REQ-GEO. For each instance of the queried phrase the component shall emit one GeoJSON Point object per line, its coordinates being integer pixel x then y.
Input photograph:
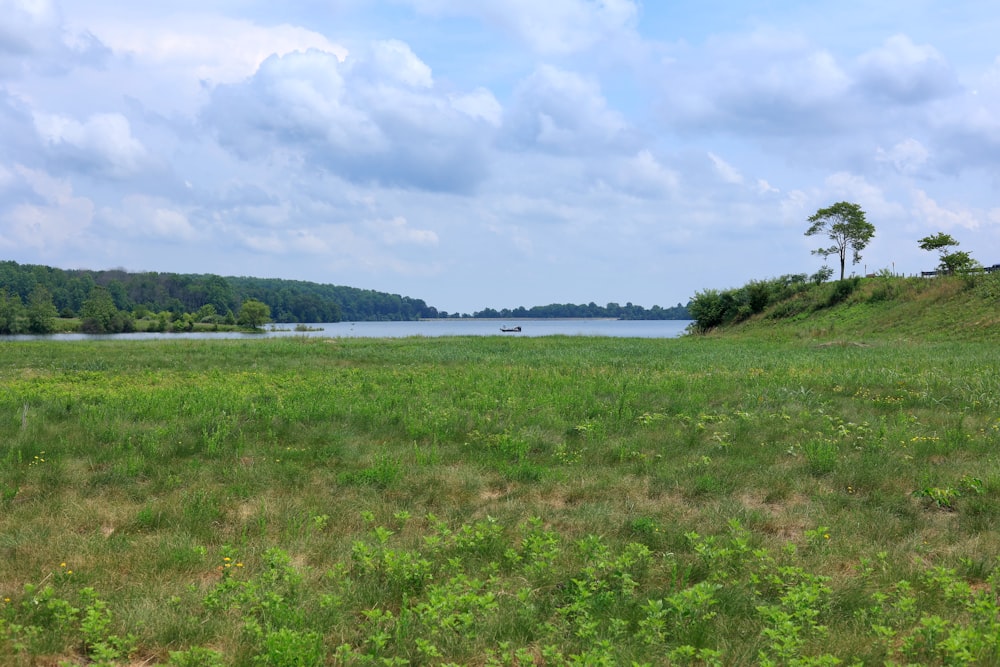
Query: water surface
{"type": "Point", "coordinates": [429, 328]}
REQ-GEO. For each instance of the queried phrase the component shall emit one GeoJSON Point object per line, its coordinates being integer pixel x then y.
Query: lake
{"type": "Point", "coordinates": [429, 328]}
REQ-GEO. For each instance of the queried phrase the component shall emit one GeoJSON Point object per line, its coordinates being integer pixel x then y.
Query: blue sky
{"type": "Point", "coordinates": [495, 153]}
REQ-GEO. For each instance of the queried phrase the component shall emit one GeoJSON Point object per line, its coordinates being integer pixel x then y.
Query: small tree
{"type": "Point", "coordinates": [844, 223]}
{"type": "Point", "coordinates": [254, 314]}
{"type": "Point", "coordinates": [11, 310]}
{"type": "Point", "coordinates": [41, 311]}
{"type": "Point", "coordinates": [955, 261]}
{"type": "Point", "coordinates": [98, 313]}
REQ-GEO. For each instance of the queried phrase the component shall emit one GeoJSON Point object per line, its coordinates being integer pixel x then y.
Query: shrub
{"type": "Point", "coordinates": [841, 290]}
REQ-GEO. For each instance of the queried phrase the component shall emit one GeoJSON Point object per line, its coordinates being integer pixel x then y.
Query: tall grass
{"type": "Point", "coordinates": [499, 501]}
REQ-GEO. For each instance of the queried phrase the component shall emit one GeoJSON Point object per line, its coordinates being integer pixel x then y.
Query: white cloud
{"type": "Point", "coordinates": [103, 143]}
{"type": "Point", "coordinates": [967, 128]}
{"type": "Point", "coordinates": [641, 175]}
{"type": "Point", "coordinates": [553, 27]}
{"type": "Point", "coordinates": [336, 116]}
{"type": "Point", "coordinates": [480, 104]}
{"type": "Point", "coordinates": [562, 112]}
{"type": "Point", "coordinates": [149, 217]}
{"type": "Point", "coordinates": [764, 83]}
{"type": "Point", "coordinates": [726, 171]}
{"type": "Point", "coordinates": [907, 157]}
{"type": "Point", "coordinates": [935, 216]}
{"type": "Point", "coordinates": [291, 242]}
{"type": "Point", "coordinates": [209, 47]}
{"type": "Point", "coordinates": [27, 25]}
{"type": "Point", "coordinates": [55, 218]}
{"type": "Point", "coordinates": [904, 72]}
{"type": "Point", "coordinates": [394, 61]}
{"type": "Point", "coordinates": [34, 39]}
{"type": "Point", "coordinates": [765, 188]}
{"type": "Point", "coordinates": [397, 231]}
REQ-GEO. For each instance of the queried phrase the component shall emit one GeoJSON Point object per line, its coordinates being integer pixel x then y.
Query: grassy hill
{"type": "Point", "coordinates": [883, 307]}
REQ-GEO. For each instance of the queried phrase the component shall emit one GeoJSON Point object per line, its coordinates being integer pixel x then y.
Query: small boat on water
{"type": "Point", "coordinates": [510, 329]}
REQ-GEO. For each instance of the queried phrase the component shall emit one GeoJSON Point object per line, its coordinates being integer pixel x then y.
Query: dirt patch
{"type": "Point", "coordinates": [842, 343]}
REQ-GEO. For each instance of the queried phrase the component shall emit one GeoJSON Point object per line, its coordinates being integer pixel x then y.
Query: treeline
{"type": "Point", "coordinates": [111, 301]}
{"type": "Point", "coordinates": [206, 296]}
{"type": "Point", "coordinates": [627, 312]}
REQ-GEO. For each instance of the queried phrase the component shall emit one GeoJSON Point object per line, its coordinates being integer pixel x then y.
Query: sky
{"type": "Point", "coordinates": [495, 153]}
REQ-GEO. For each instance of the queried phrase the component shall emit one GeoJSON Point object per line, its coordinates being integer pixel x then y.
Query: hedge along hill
{"type": "Point", "coordinates": [853, 310]}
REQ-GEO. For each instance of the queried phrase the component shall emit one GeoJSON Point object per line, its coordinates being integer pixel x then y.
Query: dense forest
{"type": "Point", "coordinates": [112, 300]}
{"type": "Point", "coordinates": [178, 294]}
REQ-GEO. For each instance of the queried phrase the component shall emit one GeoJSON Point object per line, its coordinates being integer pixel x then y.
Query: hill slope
{"type": "Point", "coordinates": [882, 307]}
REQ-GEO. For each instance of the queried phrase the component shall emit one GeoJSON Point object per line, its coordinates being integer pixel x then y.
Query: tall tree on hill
{"type": "Point", "coordinates": [843, 223]}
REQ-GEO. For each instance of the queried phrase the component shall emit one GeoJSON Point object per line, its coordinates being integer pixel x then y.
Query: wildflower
{"type": "Point", "coordinates": [826, 536]}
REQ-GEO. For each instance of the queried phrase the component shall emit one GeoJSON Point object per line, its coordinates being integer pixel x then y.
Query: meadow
{"type": "Point", "coordinates": [500, 501]}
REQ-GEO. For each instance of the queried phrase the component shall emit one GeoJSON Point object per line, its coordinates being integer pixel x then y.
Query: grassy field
{"type": "Point", "coordinates": [500, 501]}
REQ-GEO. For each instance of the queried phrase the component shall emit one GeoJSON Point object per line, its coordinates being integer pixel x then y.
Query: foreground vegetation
{"type": "Point", "coordinates": [494, 501]}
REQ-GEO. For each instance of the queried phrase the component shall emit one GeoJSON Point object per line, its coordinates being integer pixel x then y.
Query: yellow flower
{"type": "Point", "coordinates": [62, 564]}
{"type": "Point", "coordinates": [827, 536]}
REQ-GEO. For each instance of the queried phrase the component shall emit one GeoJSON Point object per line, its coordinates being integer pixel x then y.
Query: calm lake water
{"type": "Point", "coordinates": [430, 328]}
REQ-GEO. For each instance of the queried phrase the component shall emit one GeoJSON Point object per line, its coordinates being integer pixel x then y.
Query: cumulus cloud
{"type": "Point", "coordinates": [557, 111]}
{"type": "Point", "coordinates": [289, 242]}
{"type": "Point", "coordinates": [845, 186]}
{"type": "Point", "coordinates": [204, 47]}
{"type": "Point", "coordinates": [907, 156]}
{"type": "Point", "coordinates": [766, 83]}
{"type": "Point", "coordinates": [640, 175]}
{"type": "Point", "coordinates": [33, 37]}
{"type": "Point", "coordinates": [27, 25]}
{"type": "Point", "coordinates": [103, 144]}
{"type": "Point", "coordinates": [967, 128]}
{"type": "Point", "coordinates": [906, 73]}
{"type": "Point", "coordinates": [553, 27]}
{"type": "Point", "coordinates": [935, 216]}
{"type": "Point", "coordinates": [52, 217]}
{"type": "Point", "coordinates": [151, 218]}
{"type": "Point", "coordinates": [375, 117]}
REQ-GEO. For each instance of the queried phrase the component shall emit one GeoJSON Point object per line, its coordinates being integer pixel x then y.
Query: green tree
{"type": "Point", "coordinates": [100, 315]}
{"type": "Point", "coordinates": [207, 313]}
{"type": "Point", "coordinates": [11, 310]}
{"type": "Point", "coordinates": [843, 223]}
{"type": "Point", "coordinates": [254, 314]}
{"type": "Point", "coordinates": [950, 261]}
{"type": "Point", "coordinates": [41, 311]}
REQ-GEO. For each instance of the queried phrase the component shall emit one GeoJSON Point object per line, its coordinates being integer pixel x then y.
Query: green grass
{"type": "Point", "coordinates": [495, 501]}
{"type": "Point", "coordinates": [886, 307]}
